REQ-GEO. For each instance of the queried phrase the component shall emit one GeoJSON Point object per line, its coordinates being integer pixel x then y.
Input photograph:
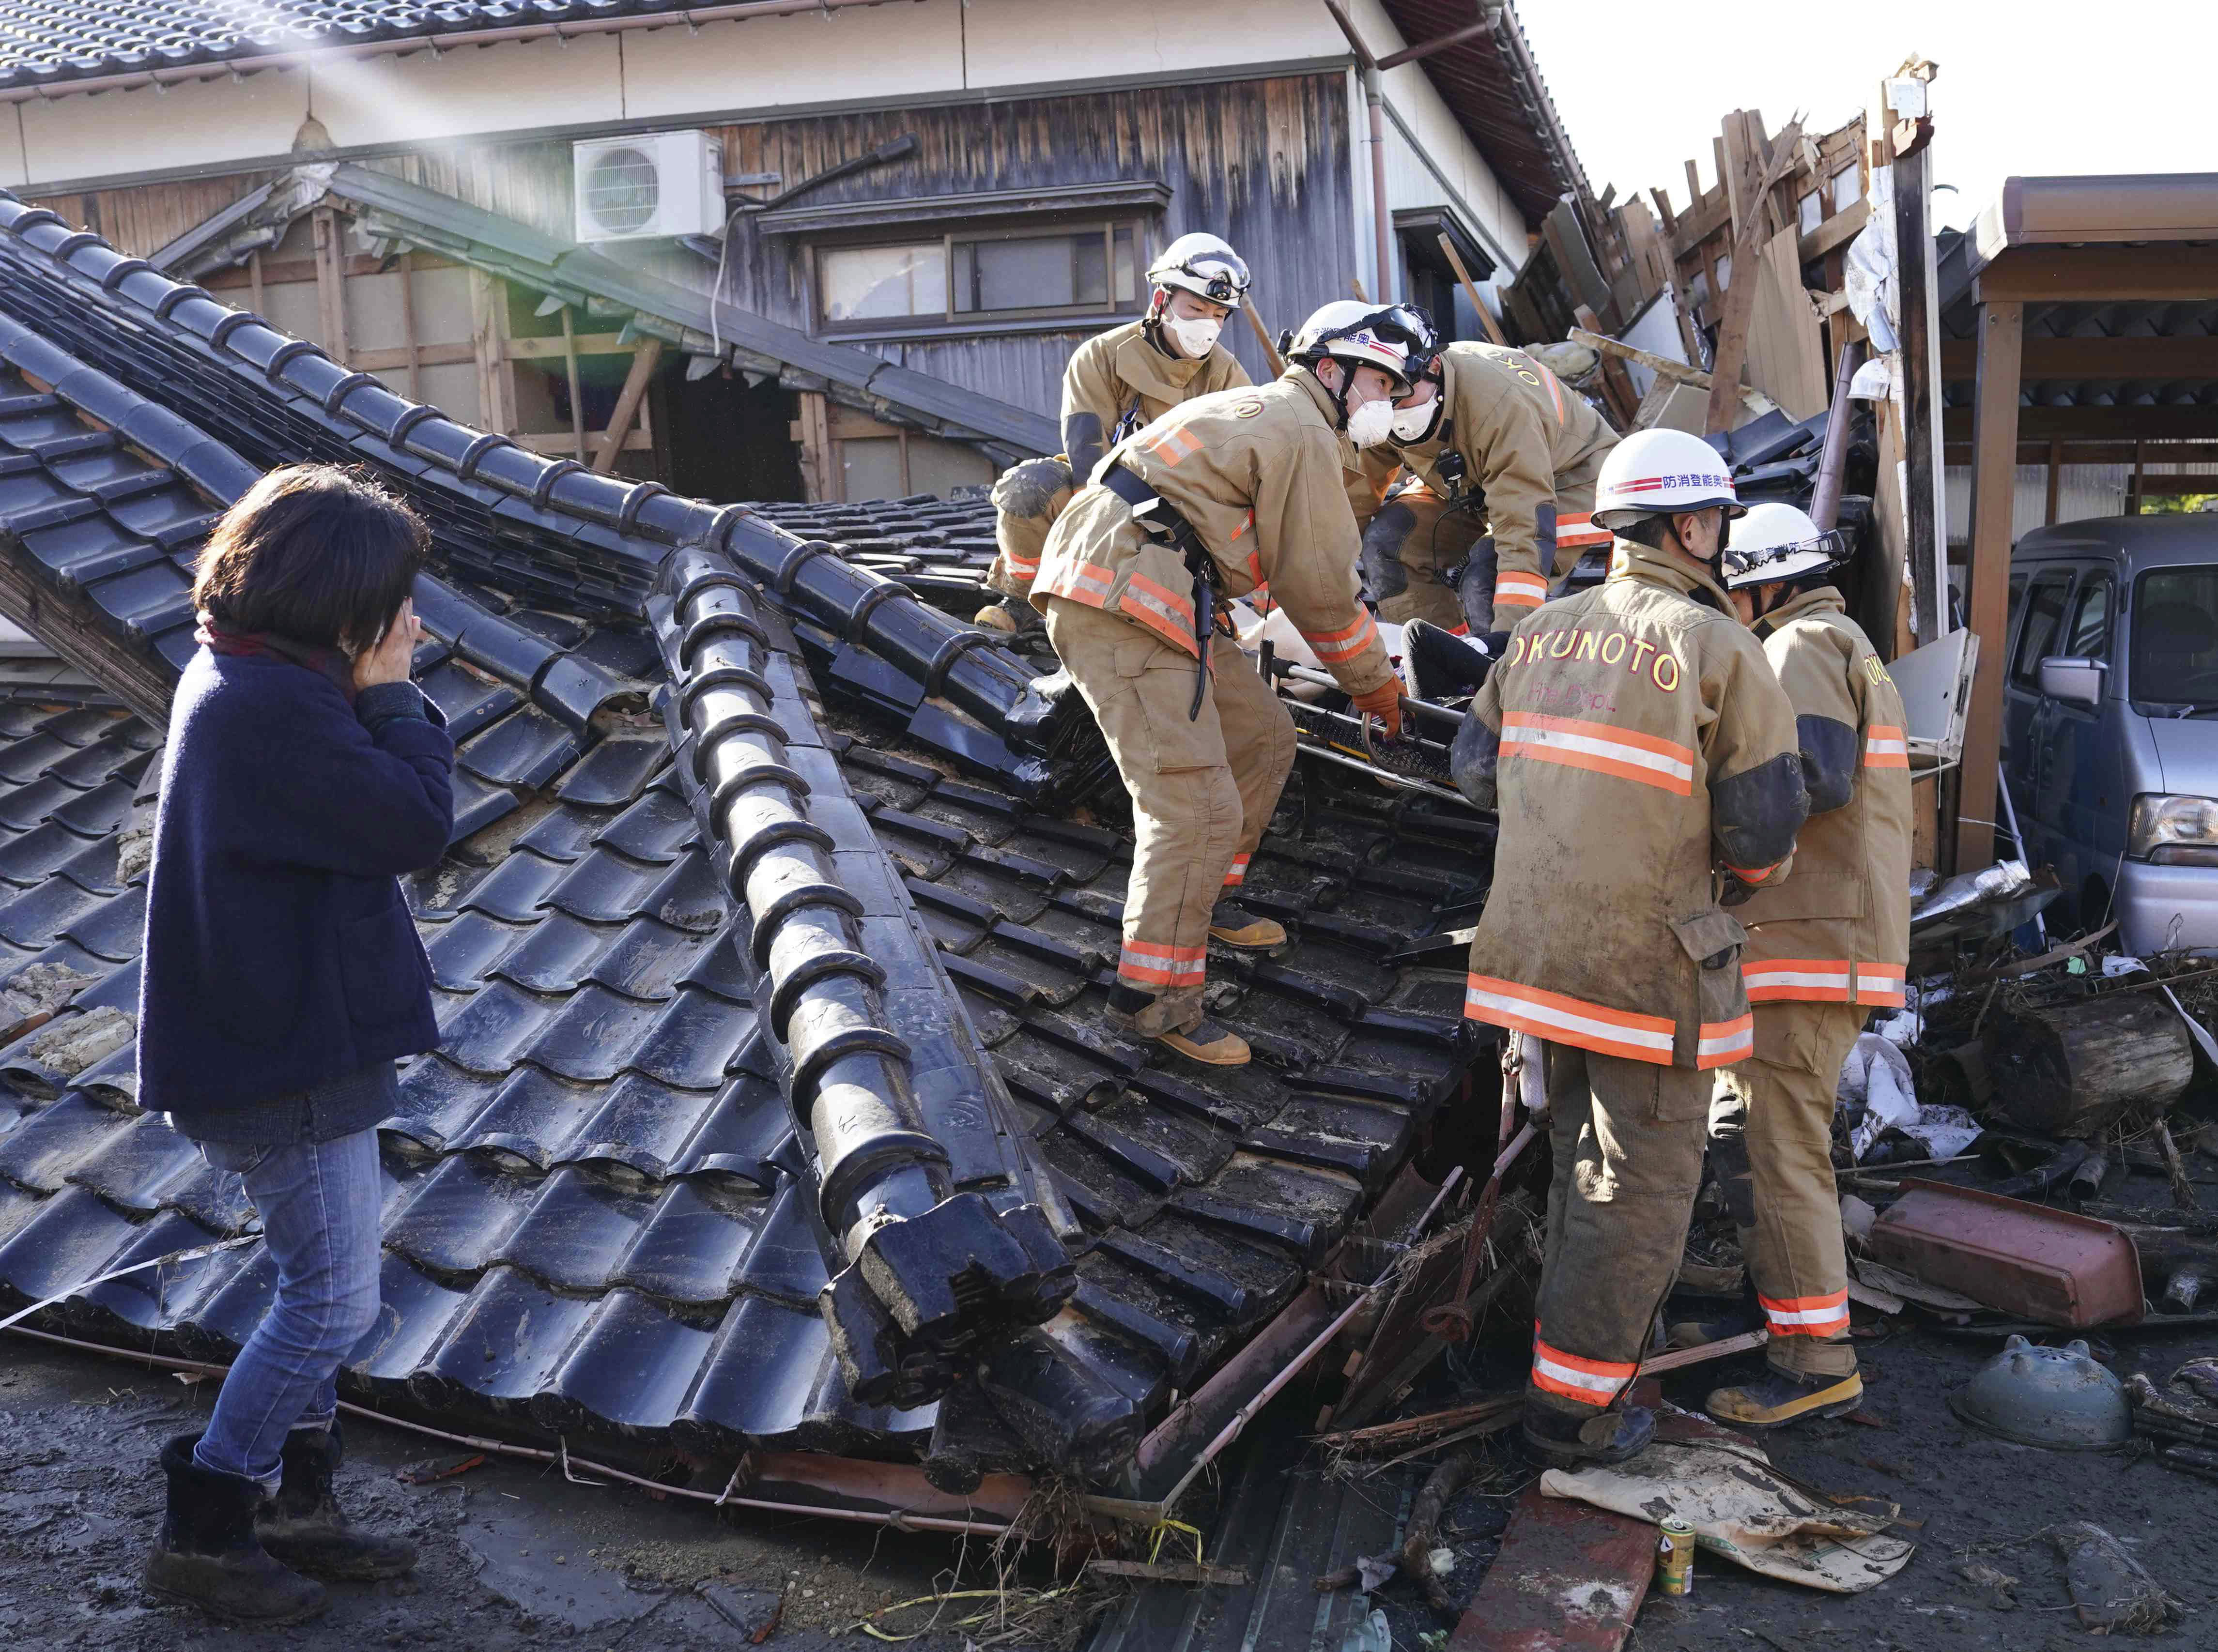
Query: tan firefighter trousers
{"type": "Point", "coordinates": [1202, 791]}
{"type": "Point", "coordinates": [1779, 1101]}
{"type": "Point", "coordinates": [1628, 1142]}
{"type": "Point", "coordinates": [1437, 545]}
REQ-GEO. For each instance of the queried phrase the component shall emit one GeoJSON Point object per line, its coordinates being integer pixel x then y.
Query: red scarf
{"type": "Point", "coordinates": [329, 663]}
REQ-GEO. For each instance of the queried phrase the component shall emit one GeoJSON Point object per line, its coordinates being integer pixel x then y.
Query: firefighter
{"type": "Point", "coordinates": [1220, 495]}
{"type": "Point", "coordinates": [1641, 757]}
{"type": "Point", "coordinates": [1483, 426]}
{"type": "Point", "coordinates": [1116, 381]}
{"type": "Point", "coordinates": [1823, 952]}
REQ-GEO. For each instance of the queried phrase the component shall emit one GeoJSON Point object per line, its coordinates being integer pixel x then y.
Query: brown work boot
{"type": "Point", "coordinates": [1207, 1041]}
{"type": "Point", "coordinates": [1233, 924]}
{"type": "Point", "coordinates": [1781, 1396]}
{"type": "Point", "coordinates": [995, 617]}
{"type": "Point", "coordinates": [303, 1527]}
{"type": "Point", "coordinates": [207, 1556]}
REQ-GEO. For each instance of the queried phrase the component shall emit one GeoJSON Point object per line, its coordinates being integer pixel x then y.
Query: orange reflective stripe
{"type": "Point", "coordinates": [1810, 980]}
{"type": "Point", "coordinates": [1334, 646]}
{"type": "Point", "coordinates": [1081, 582]}
{"type": "Point", "coordinates": [1162, 611]}
{"type": "Point", "coordinates": [1753, 875]}
{"type": "Point", "coordinates": [1162, 966]}
{"type": "Point", "coordinates": [1807, 1317]}
{"type": "Point", "coordinates": [1555, 390]}
{"type": "Point", "coordinates": [1568, 1020]}
{"type": "Point", "coordinates": [1591, 1382]}
{"type": "Point", "coordinates": [1020, 565]}
{"type": "Point", "coordinates": [1519, 590]}
{"type": "Point", "coordinates": [1598, 747]}
{"type": "Point", "coordinates": [1720, 1044]}
{"type": "Point", "coordinates": [1173, 445]}
{"type": "Point", "coordinates": [1881, 983]}
{"type": "Point", "coordinates": [1238, 872]}
{"type": "Point", "coordinates": [1246, 522]}
{"type": "Point", "coordinates": [1884, 747]}
{"type": "Point", "coordinates": [1581, 532]}
{"type": "Point", "coordinates": [1254, 566]}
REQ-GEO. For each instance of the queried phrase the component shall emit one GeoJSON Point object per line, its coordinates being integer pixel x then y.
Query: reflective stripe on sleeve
{"type": "Point", "coordinates": [1164, 612]}
{"type": "Point", "coordinates": [1519, 590]}
{"type": "Point", "coordinates": [1019, 566]}
{"type": "Point", "coordinates": [1591, 1382]}
{"type": "Point", "coordinates": [1173, 445]}
{"type": "Point", "coordinates": [1720, 1044]}
{"type": "Point", "coordinates": [1334, 647]}
{"type": "Point", "coordinates": [1752, 874]}
{"type": "Point", "coordinates": [1580, 533]}
{"type": "Point", "coordinates": [1807, 1317]}
{"type": "Point", "coordinates": [1238, 873]}
{"type": "Point", "coordinates": [1576, 744]}
{"type": "Point", "coordinates": [1884, 747]}
{"type": "Point", "coordinates": [1162, 966]}
{"type": "Point", "coordinates": [1568, 1020]}
{"type": "Point", "coordinates": [1881, 983]}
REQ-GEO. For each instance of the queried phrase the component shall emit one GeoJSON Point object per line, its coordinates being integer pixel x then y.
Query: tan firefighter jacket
{"type": "Point", "coordinates": [1531, 446]}
{"type": "Point", "coordinates": [1639, 743]}
{"type": "Point", "coordinates": [1111, 376]}
{"type": "Point", "coordinates": [1839, 931]}
{"type": "Point", "coordinates": [1258, 473]}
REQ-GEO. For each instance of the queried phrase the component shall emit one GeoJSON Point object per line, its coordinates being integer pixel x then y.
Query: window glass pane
{"type": "Point", "coordinates": [2088, 637]}
{"type": "Point", "coordinates": [2175, 636]}
{"type": "Point", "coordinates": [1810, 212]}
{"type": "Point", "coordinates": [1092, 269]}
{"type": "Point", "coordinates": [1036, 272]}
{"type": "Point", "coordinates": [1848, 188]}
{"type": "Point", "coordinates": [1128, 274]}
{"type": "Point", "coordinates": [861, 283]}
{"type": "Point", "coordinates": [2044, 611]}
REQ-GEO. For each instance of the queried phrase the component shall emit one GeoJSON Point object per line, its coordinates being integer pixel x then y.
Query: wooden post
{"type": "Point", "coordinates": [330, 283]}
{"type": "Point", "coordinates": [2055, 472]}
{"type": "Point", "coordinates": [819, 467]}
{"type": "Point", "coordinates": [408, 325]}
{"type": "Point", "coordinates": [1276, 362]}
{"type": "Point", "coordinates": [1921, 393]}
{"type": "Point", "coordinates": [1470, 290]}
{"type": "Point", "coordinates": [254, 278]}
{"type": "Point", "coordinates": [488, 325]}
{"type": "Point", "coordinates": [577, 404]}
{"type": "Point", "coordinates": [1740, 296]}
{"type": "Point", "coordinates": [2134, 496]}
{"type": "Point", "coordinates": [644, 361]}
{"type": "Point", "coordinates": [1994, 487]}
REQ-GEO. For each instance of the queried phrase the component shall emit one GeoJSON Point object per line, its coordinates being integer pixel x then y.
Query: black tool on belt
{"type": "Point", "coordinates": [1156, 514]}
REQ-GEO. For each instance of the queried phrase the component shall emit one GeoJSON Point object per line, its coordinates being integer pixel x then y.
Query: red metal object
{"type": "Point", "coordinates": [2053, 1267]}
{"type": "Point", "coordinates": [1570, 1578]}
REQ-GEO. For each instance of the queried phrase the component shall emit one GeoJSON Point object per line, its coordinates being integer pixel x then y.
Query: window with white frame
{"type": "Point", "coordinates": [978, 275]}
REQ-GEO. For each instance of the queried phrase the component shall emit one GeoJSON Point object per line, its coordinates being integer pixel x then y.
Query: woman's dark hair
{"type": "Point", "coordinates": [319, 554]}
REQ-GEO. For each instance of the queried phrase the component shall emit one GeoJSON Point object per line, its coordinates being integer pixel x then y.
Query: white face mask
{"type": "Point", "coordinates": [1416, 423]}
{"type": "Point", "coordinates": [1371, 424]}
{"type": "Point", "coordinates": [1195, 339]}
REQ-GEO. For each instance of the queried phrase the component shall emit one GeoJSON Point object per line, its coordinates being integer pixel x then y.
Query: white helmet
{"type": "Point", "coordinates": [1776, 542]}
{"type": "Point", "coordinates": [1361, 335]}
{"type": "Point", "coordinates": [1203, 265]}
{"type": "Point", "coordinates": [1652, 472]}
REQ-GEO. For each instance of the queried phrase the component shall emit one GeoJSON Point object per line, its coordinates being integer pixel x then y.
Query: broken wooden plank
{"type": "Point", "coordinates": [1568, 1578]}
{"type": "Point", "coordinates": [1470, 290]}
{"type": "Point", "coordinates": [1170, 1572]}
{"type": "Point", "coordinates": [1739, 306]}
{"type": "Point", "coordinates": [1786, 355]}
{"type": "Point", "coordinates": [1659, 1364]}
{"type": "Point", "coordinates": [1662, 366]}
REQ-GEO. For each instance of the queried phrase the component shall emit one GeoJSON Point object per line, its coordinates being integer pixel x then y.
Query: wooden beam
{"type": "Point", "coordinates": [1663, 366]}
{"type": "Point", "coordinates": [254, 278]}
{"type": "Point", "coordinates": [2100, 274]}
{"type": "Point", "coordinates": [1438, 43]}
{"type": "Point", "coordinates": [403, 357]}
{"type": "Point", "coordinates": [1470, 290]}
{"type": "Point", "coordinates": [1271, 357]}
{"type": "Point", "coordinates": [1994, 489]}
{"type": "Point", "coordinates": [408, 325]}
{"type": "Point", "coordinates": [1838, 231]}
{"type": "Point", "coordinates": [2098, 424]}
{"type": "Point", "coordinates": [1740, 296]}
{"type": "Point", "coordinates": [643, 363]}
{"type": "Point", "coordinates": [562, 442]}
{"type": "Point", "coordinates": [488, 326]}
{"type": "Point", "coordinates": [1927, 543]}
{"type": "Point", "coordinates": [330, 284]}
{"type": "Point", "coordinates": [577, 402]}
{"type": "Point", "coordinates": [820, 470]}
{"type": "Point", "coordinates": [555, 347]}
{"type": "Point", "coordinates": [2055, 475]}
{"type": "Point", "coordinates": [2194, 357]}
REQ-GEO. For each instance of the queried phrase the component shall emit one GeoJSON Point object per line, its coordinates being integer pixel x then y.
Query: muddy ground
{"type": "Point", "coordinates": [511, 1556]}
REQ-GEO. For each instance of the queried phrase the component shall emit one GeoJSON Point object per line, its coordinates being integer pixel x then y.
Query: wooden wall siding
{"type": "Point", "coordinates": [141, 220]}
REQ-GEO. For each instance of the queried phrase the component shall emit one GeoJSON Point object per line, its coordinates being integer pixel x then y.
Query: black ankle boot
{"type": "Point", "coordinates": [1566, 1440]}
{"type": "Point", "coordinates": [303, 1524]}
{"type": "Point", "coordinates": [207, 1554]}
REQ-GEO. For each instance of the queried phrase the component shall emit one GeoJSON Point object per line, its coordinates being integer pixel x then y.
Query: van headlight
{"type": "Point", "coordinates": [2173, 830]}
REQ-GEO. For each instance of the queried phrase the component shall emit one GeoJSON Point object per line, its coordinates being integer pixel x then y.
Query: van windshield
{"type": "Point", "coordinates": [2175, 627]}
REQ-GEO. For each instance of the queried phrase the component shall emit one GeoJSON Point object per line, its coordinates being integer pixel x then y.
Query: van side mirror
{"type": "Point", "coordinates": [2075, 682]}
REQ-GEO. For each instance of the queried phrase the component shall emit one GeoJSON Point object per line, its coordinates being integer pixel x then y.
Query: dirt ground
{"type": "Point", "coordinates": [510, 1555]}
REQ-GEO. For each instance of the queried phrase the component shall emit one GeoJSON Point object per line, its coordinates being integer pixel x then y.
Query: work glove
{"type": "Point", "coordinates": [1383, 703]}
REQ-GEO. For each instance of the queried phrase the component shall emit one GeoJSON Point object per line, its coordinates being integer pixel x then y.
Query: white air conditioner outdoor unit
{"type": "Point", "coordinates": [651, 186]}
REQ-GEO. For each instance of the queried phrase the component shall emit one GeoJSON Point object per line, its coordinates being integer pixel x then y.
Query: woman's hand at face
{"type": "Point", "coordinates": [389, 660]}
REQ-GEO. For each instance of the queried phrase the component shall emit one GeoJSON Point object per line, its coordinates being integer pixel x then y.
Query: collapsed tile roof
{"type": "Point", "coordinates": [741, 823]}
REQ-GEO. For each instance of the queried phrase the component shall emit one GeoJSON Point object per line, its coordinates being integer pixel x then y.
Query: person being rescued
{"type": "Point", "coordinates": [1118, 381]}
{"type": "Point", "coordinates": [1222, 495]}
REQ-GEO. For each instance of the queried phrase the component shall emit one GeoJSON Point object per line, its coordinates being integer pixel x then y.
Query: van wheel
{"type": "Point", "coordinates": [2094, 905]}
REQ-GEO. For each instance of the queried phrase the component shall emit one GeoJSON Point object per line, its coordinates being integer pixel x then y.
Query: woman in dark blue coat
{"type": "Point", "coordinates": [282, 978]}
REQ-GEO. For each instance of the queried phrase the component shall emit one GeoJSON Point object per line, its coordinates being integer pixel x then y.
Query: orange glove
{"type": "Point", "coordinates": [1383, 703]}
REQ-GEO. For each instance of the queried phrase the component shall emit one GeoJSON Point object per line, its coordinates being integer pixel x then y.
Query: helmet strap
{"type": "Point", "coordinates": [1340, 396]}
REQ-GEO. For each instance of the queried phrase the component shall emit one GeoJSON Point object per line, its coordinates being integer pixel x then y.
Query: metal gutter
{"type": "Point", "coordinates": [693, 18]}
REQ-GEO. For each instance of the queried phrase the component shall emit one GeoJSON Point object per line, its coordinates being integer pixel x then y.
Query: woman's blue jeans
{"type": "Point", "coordinates": [318, 1204]}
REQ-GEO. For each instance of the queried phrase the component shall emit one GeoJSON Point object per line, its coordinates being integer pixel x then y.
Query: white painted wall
{"type": "Point", "coordinates": [199, 123]}
{"type": "Point", "coordinates": [476, 89]}
{"type": "Point", "coordinates": [867, 54]}
{"type": "Point", "coordinates": [1025, 42]}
